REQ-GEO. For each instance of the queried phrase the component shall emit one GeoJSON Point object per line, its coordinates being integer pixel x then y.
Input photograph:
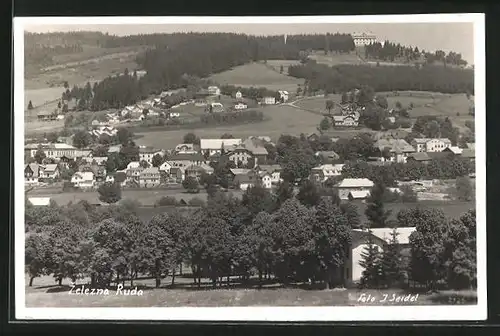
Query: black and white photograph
{"type": "Point", "coordinates": [291, 168]}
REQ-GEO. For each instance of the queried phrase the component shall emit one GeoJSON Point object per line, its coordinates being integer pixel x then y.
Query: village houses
{"type": "Point", "coordinates": [274, 172]}
{"type": "Point", "coordinates": [182, 160]}
{"type": "Point", "coordinates": [397, 149]}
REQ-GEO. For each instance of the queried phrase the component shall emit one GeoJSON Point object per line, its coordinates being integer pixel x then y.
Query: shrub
{"type": "Point", "coordinates": [196, 201]}
{"type": "Point", "coordinates": [166, 201]}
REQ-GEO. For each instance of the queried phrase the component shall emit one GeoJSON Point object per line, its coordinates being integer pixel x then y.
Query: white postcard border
{"type": "Point", "coordinates": [358, 313]}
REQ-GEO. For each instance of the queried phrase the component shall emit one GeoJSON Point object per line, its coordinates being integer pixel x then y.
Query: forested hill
{"type": "Point", "coordinates": [342, 78]}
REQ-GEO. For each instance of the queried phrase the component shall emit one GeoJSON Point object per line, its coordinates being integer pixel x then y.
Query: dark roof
{"type": "Point", "coordinates": [245, 178]}
{"type": "Point", "coordinates": [187, 157]}
{"type": "Point", "coordinates": [419, 156]}
{"type": "Point", "coordinates": [438, 155]}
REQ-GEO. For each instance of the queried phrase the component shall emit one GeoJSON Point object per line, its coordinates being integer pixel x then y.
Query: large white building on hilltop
{"type": "Point", "coordinates": [362, 39]}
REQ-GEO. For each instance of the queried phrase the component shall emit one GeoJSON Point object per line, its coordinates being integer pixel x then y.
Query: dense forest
{"type": "Point", "coordinates": [342, 78]}
{"type": "Point", "coordinates": [389, 51]}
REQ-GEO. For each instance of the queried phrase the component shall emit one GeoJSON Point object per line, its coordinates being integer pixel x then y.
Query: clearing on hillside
{"type": "Point", "coordinates": [332, 59]}
{"type": "Point", "coordinates": [257, 75]}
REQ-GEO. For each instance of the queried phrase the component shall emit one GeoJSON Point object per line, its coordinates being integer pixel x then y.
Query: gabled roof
{"type": "Point", "coordinates": [328, 155]}
{"type": "Point", "coordinates": [50, 167]}
{"type": "Point", "coordinates": [403, 234]}
{"type": "Point", "coordinates": [87, 176]}
{"type": "Point", "coordinates": [394, 145]}
{"type": "Point", "coordinates": [218, 143]}
{"type": "Point", "coordinates": [454, 149]}
{"type": "Point", "coordinates": [270, 168]}
{"type": "Point", "coordinates": [187, 157]}
{"type": "Point", "coordinates": [359, 194]}
{"type": "Point", "coordinates": [419, 156]}
{"type": "Point", "coordinates": [240, 171]}
{"type": "Point", "coordinates": [355, 182]}
{"type": "Point", "coordinates": [34, 168]}
{"type": "Point", "coordinates": [148, 150]}
{"type": "Point", "coordinates": [39, 201]}
{"type": "Point", "coordinates": [151, 171]}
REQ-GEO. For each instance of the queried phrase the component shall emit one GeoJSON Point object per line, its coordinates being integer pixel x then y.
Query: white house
{"type": "Point", "coordinates": [240, 106]}
{"type": "Point", "coordinates": [83, 179]}
{"type": "Point", "coordinates": [133, 165]}
{"type": "Point", "coordinates": [165, 167]}
{"type": "Point", "coordinates": [49, 171]}
{"type": "Point", "coordinates": [324, 172]}
{"type": "Point", "coordinates": [353, 184]}
{"type": "Point", "coordinates": [431, 145]}
{"type": "Point", "coordinates": [213, 90]}
{"type": "Point", "coordinates": [283, 96]}
{"type": "Point", "coordinates": [359, 244]}
{"type": "Point", "coordinates": [238, 95]}
{"type": "Point", "coordinates": [362, 39]}
{"type": "Point", "coordinates": [147, 153]}
{"type": "Point", "coordinates": [274, 172]}
{"type": "Point", "coordinates": [266, 180]}
{"type": "Point", "coordinates": [213, 146]}
{"type": "Point", "coordinates": [269, 100]}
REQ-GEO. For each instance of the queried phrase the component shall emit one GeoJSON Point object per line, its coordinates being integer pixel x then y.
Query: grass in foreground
{"type": "Point", "coordinates": [45, 293]}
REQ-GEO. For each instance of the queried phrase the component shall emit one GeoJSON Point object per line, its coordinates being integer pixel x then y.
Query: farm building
{"type": "Point", "coordinates": [240, 106]}
{"type": "Point", "coordinates": [353, 184]}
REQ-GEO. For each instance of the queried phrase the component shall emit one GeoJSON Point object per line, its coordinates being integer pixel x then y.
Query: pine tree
{"type": "Point", "coordinates": [30, 105]}
{"type": "Point", "coordinates": [391, 262]}
{"type": "Point", "coordinates": [375, 210]}
{"type": "Point", "coordinates": [371, 262]}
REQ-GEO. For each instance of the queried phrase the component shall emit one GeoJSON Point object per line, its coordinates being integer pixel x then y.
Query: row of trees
{"type": "Point", "coordinates": [443, 168]}
{"type": "Point", "coordinates": [263, 234]}
{"type": "Point", "coordinates": [343, 78]}
{"type": "Point", "coordinates": [389, 51]}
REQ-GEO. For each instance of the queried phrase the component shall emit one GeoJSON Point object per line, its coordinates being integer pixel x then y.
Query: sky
{"type": "Point", "coordinates": [448, 36]}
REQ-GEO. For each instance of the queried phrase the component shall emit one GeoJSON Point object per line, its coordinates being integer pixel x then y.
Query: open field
{"type": "Point", "coordinates": [36, 127]}
{"type": "Point", "coordinates": [318, 104]}
{"type": "Point", "coordinates": [257, 75]}
{"type": "Point", "coordinates": [282, 120]}
{"type": "Point", "coordinates": [333, 59]}
{"type": "Point", "coordinates": [276, 64]}
{"type": "Point", "coordinates": [144, 196]}
{"type": "Point", "coordinates": [45, 293]}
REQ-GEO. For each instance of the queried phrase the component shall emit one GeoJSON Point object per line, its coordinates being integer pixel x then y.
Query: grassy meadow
{"type": "Point", "coordinates": [257, 75]}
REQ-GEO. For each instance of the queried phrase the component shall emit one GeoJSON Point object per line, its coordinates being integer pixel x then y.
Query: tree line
{"type": "Point", "coordinates": [345, 77]}
{"type": "Point", "coordinates": [390, 51]}
{"type": "Point", "coordinates": [268, 236]}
